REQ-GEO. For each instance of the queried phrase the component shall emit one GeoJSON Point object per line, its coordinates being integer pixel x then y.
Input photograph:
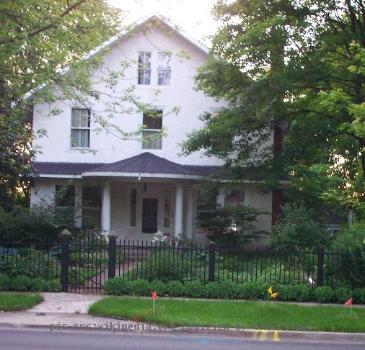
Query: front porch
{"type": "Point", "coordinates": [137, 210]}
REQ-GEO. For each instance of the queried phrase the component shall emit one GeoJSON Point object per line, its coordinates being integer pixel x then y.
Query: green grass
{"type": "Point", "coordinates": [16, 301]}
{"type": "Point", "coordinates": [240, 314]}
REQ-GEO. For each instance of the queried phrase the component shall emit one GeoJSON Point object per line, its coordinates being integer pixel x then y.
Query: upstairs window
{"type": "Point", "coordinates": [152, 130]}
{"type": "Point", "coordinates": [144, 68]}
{"type": "Point", "coordinates": [80, 128]}
{"type": "Point", "coordinates": [164, 68]}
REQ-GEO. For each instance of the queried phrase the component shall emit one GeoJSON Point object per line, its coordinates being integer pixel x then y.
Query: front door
{"type": "Point", "coordinates": [149, 215]}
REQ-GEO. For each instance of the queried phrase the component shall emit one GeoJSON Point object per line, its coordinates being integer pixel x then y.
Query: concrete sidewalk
{"type": "Point", "coordinates": [69, 311]}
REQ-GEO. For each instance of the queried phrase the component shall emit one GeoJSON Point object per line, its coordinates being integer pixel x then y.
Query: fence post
{"type": "Point", "coordinates": [65, 259]}
{"type": "Point", "coordinates": [320, 266]}
{"type": "Point", "coordinates": [112, 254]}
{"type": "Point", "coordinates": [211, 262]}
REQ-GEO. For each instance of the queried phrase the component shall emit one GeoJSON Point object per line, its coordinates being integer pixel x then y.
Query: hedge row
{"type": "Point", "coordinates": [230, 290]}
{"type": "Point", "coordinates": [24, 283]}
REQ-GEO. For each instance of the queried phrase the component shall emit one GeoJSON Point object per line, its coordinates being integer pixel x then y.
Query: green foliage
{"type": "Point", "coordinates": [253, 290]}
{"type": "Point", "coordinates": [231, 290]}
{"type": "Point", "coordinates": [5, 281]}
{"type": "Point", "coordinates": [141, 287]}
{"type": "Point", "coordinates": [342, 294]}
{"type": "Point", "coordinates": [324, 294]}
{"type": "Point", "coordinates": [164, 265]}
{"type": "Point", "coordinates": [194, 289]}
{"type": "Point", "coordinates": [295, 292]}
{"type": "Point", "coordinates": [21, 283]}
{"type": "Point", "coordinates": [280, 68]}
{"type": "Point", "coordinates": [54, 34]}
{"type": "Point", "coordinates": [351, 242]}
{"type": "Point", "coordinates": [297, 229]}
{"type": "Point", "coordinates": [159, 287]}
{"type": "Point", "coordinates": [229, 225]}
{"type": "Point", "coordinates": [37, 224]}
{"type": "Point", "coordinates": [38, 285]}
{"type": "Point", "coordinates": [175, 288]}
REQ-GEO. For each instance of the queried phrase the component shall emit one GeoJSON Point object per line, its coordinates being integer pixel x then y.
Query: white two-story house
{"type": "Point", "coordinates": [136, 185]}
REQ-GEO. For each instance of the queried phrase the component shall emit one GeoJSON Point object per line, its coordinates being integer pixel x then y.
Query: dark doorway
{"type": "Point", "coordinates": [149, 215]}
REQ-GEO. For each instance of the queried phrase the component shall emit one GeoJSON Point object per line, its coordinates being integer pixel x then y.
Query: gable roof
{"type": "Point", "coordinates": [142, 165]}
{"type": "Point", "coordinates": [145, 22]}
{"type": "Point", "coordinates": [138, 25]}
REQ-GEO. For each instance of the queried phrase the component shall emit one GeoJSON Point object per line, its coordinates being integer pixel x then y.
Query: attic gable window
{"type": "Point", "coordinates": [80, 128]}
{"type": "Point", "coordinates": [164, 68]}
{"type": "Point", "coordinates": [144, 68]}
{"type": "Point", "coordinates": [152, 130]}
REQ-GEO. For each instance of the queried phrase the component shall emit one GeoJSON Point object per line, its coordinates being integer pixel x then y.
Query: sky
{"type": "Point", "coordinates": [193, 16]}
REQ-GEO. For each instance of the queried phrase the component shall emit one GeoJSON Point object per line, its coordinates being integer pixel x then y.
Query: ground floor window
{"type": "Point", "coordinates": [91, 206]}
{"type": "Point", "coordinates": [65, 204]}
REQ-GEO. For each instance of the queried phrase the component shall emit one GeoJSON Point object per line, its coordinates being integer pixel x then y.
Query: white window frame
{"type": "Point", "coordinates": [163, 69]}
{"type": "Point", "coordinates": [140, 69]}
{"type": "Point", "coordinates": [78, 128]}
{"type": "Point", "coordinates": [152, 132]}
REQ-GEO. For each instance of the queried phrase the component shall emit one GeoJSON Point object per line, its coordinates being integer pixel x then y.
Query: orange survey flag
{"type": "Point", "coordinates": [154, 295]}
{"type": "Point", "coordinates": [349, 302]}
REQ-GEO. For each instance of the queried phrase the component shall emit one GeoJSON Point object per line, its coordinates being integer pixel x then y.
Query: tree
{"type": "Point", "coordinates": [38, 40]}
{"type": "Point", "coordinates": [296, 65]}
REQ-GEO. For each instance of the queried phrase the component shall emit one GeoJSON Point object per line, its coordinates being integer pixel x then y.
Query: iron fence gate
{"type": "Point", "coordinates": [87, 265]}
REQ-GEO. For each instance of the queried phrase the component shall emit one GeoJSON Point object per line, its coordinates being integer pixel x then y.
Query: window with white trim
{"type": "Point", "coordinates": [91, 206]}
{"type": "Point", "coordinates": [164, 68]}
{"type": "Point", "coordinates": [80, 128]}
{"type": "Point", "coordinates": [144, 68]}
{"type": "Point", "coordinates": [152, 130]}
{"type": "Point", "coordinates": [64, 204]}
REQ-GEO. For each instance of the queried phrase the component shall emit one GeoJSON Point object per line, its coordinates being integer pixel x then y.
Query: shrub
{"type": "Point", "coordinates": [218, 224]}
{"type": "Point", "coordinates": [175, 289]}
{"type": "Point", "coordinates": [54, 286]}
{"type": "Point", "coordinates": [253, 290]}
{"type": "Point", "coordinates": [165, 265]}
{"type": "Point", "coordinates": [342, 294]}
{"type": "Point", "coordinates": [194, 289]}
{"type": "Point", "coordinates": [212, 290]}
{"type": "Point", "coordinates": [351, 242]}
{"type": "Point", "coordinates": [159, 287]}
{"type": "Point", "coordinates": [359, 295]}
{"type": "Point", "coordinates": [21, 283]}
{"type": "Point", "coordinates": [298, 229]}
{"type": "Point", "coordinates": [298, 292]}
{"type": "Point", "coordinates": [324, 294]}
{"type": "Point", "coordinates": [118, 286]}
{"type": "Point", "coordinates": [5, 282]}
{"type": "Point", "coordinates": [141, 287]}
{"type": "Point", "coordinates": [38, 285]}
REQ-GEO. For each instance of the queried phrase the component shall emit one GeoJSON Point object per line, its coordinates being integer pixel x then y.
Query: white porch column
{"type": "Point", "coordinates": [190, 212]}
{"type": "Point", "coordinates": [78, 205]}
{"type": "Point", "coordinates": [105, 208]}
{"type": "Point", "coordinates": [179, 196]}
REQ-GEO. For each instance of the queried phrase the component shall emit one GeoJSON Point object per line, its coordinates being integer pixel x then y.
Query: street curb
{"type": "Point", "coordinates": [251, 334]}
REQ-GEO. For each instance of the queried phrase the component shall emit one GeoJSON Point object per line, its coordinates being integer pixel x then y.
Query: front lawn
{"type": "Point", "coordinates": [239, 314]}
{"type": "Point", "coordinates": [16, 301]}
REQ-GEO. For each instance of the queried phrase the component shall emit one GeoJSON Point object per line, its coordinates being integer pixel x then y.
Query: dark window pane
{"type": "Point", "coordinates": [152, 120]}
{"type": "Point", "coordinates": [65, 196]}
{"type": "Point", "coordinates": [133, 207]}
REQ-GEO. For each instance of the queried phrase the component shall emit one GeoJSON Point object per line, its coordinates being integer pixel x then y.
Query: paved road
{"type": "Point", "coordinates": [39, 339]}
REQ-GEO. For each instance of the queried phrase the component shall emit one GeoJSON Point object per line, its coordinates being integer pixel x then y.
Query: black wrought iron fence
{"type": "Point", "coordinates": [83, 265]}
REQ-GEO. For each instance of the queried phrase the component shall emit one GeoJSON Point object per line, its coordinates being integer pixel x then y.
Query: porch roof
{"type": "Point", "coordinates": [142, 165]}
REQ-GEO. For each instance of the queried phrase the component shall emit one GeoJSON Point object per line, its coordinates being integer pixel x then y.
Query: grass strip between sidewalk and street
{"type": "Point", "coordinates": [237, 314]}
{"type": "Point", "coordinates": [18, 301]}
